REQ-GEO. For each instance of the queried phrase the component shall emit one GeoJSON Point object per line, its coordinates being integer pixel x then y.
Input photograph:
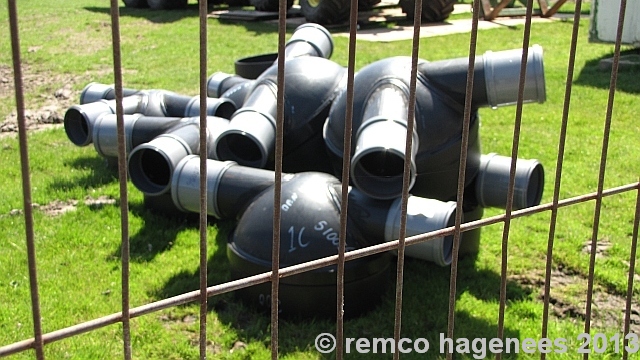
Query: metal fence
{"type": "Point", "coordinates": [40, 339]}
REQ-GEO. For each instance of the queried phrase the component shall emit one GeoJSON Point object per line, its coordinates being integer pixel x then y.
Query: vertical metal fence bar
{"type": "Point", "coordinates": [203, 7]}
{"type": "Point", "coordinates": [464, 145]}
{"type": "Point", "coordinates": [603, 166]}
{"type": "Point", "coordinates": [632, 272]}
{"type": "Point", "coordinates": [415, 48]}
{"type": "Point", "coordinates": [559, 164]}
{"type": "Point", "coordinates": [122, 177]}
{"type": "Point", "coordinates": [346, 161]}
{"type": "Point", "coordinates": [512, 173]}
{"type": "Point", "coordinates": [277, 194]}
{"type": "Point", "coordinates": [26, 180]}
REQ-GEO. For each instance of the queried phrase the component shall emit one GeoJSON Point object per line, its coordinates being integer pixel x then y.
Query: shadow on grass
{"type": "Point", "coordinates": [159, 16]}
{"type": "Point", "coordinates": [101, 173]}
{"type": "Point", "coordinates": [592, 75]}
{"type": "Point", "coordinates": [161, 227]}
{"type": "Point", "coordinates": [170, 16]}
{"type": "Point", "coordinates": [217, 268]}
{"type": "Point", "coordinates": [425, 307]}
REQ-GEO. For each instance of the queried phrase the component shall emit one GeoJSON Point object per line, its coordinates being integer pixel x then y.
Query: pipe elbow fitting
{"type": "Point", "coordinates": [219, 107]}
{"type": "Point", "coordinates": [309, 39]}
{"type": "Point", "coordinates": [96, 91]}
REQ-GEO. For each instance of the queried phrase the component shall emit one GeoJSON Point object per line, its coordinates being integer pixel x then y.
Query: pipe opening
{"type": "Point", "coordinates": [382, 163]}
{"type": "Point", "coordinates": [536, 184]}
{"type": "Point", "coordinates": [225, 109]}
{"type": "Point", "coordinates": [76, 127]}
{"type": "Point", "coordinates": [149, 171]}
{"type": "Point", "coordinates": [379, 174]}
{"type": "Point", "coordinates": [240, 148]}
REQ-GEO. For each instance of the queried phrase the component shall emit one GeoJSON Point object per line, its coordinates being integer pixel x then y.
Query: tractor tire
{"type": "Point", "coordinates": [167, 4]}
{"type": "Point", "coordinates": [432, 10]}
{"type": "Point", "coordinates": [236, 3]}
{"type": "Point", "coordinates": [269, 5]}
{"type": "Point", "coordinates": [364, 5]}
{"type": "Point", "coordinates": [325, 12]}
{"type": "Point", "coordinates": [136, 4]}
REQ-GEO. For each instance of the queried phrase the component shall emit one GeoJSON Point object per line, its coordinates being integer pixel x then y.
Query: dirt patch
{"type": "Point", "coordinates": [59, 207]}
{"type": "Point", "coordinates": [602, 246]}
{"type": "Point", "coordinates": [52, 102]}
{"type": "Point", "coordinates": [187, 325]}
{"type": "Point", "coordinates": [567, 299]}
{"type": "Point", "coordinates": [99, 202]}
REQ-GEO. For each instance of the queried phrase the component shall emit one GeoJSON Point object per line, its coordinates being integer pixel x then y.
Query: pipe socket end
{"type": "Point", "coordinates": [95, 92]}
{"type": "Point", "coordinates": [248, 140]}
{"type": "Point", "coordinates": [105, 134]}
{"type": "Point", "coordinates": [316, 36]}
{"type": "Point", "coordinates": [214, 83]}
{"type": "Point", "coordinates": [185, 184]}
{"type": "Point", "coordinates": [151, 165]}
{"type": "Point", "coordinates": [222, 107]}
{"type": "Point", "coordinates": [79, 120]}
{"type": "Point", "coordinates": [377, 166]}
{"type": "Point", "coordinates": [492, 183]}
{"type": "Point", "coordinates": [502, 76]}
{"type": "Point", "coordinates": [423, 216]}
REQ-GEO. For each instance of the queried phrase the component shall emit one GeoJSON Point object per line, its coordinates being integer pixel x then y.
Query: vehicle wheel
{"type": "Point", "coordinates": [432, 10]}
{"type": "Point", "coordinates": [269, 5]}
{"type": "Point", "coordinates": [139, 4]}
{"type": "Point", "coordinates": [364, 5]}
{"type": "Point", "coordinates": [167, 4]}
{"type": "Point", "coordinates": [325, 12]}
{"type": "Point", "coordinates": [237, 3]}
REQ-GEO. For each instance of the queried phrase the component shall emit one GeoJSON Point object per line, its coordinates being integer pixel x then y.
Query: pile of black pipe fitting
{"type": "Point", "coordinates": [162, 143]}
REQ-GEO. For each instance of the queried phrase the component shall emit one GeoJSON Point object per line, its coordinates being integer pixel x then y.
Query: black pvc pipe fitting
{"type": "Point", "coordinates": [378, 159]}
{"type": "Point", "coordinates": [312, 84]}
{"type": "Point", "coordinates": [310, 218]}
{"type": "Point", "coordinates": [151, 164]}
{"type": "Point", "coordinates": [79, 119]}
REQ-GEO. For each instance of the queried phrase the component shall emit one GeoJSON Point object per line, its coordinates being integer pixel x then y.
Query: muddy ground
{"type": "Point", "coordinates": [47, 109]}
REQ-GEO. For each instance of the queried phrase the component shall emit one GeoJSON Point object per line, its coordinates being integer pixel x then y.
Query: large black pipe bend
{"type": "Point", "coordinates": [151, 165]}
{"type": "Point", "coordinates": [438, 131]}
{"type": "Point", "coordinates": [312, 84]}
{"type": "Point", "coordinates": [439, 109]}
{"type": "Point", "coordinates": [232, 188]}
{"type": "Point", "coordinates": [309, 40]}
{"type": "Point", "coordinates": [378, 160]}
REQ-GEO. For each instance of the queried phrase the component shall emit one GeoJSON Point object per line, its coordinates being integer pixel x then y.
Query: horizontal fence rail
{"type": "Point", "coordinates": [277, 272]}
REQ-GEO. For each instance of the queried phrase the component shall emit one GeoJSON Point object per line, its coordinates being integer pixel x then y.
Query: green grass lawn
{"type": "Point", "coordinates": [69, 43]}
